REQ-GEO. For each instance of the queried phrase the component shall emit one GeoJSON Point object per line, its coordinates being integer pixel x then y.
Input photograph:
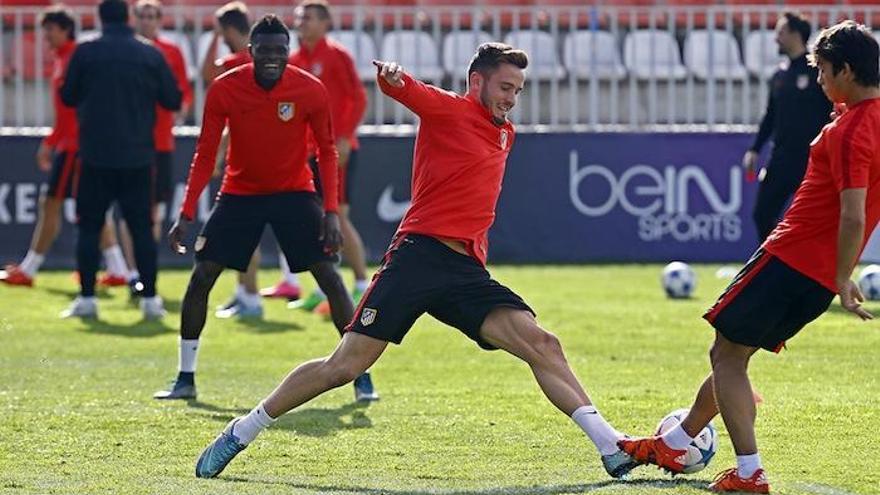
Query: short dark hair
{"type": "Point", "coordinates": [270, 24]}
{"type": "Point", "coordinates": [848, 43]}
{"type": "Point", "coordinates": [61, 17]}
{"type": "Point", "coordinates": [490, 56]}
{"type": "Point", "coordinates": [320, 6]}
{"type": "Point", "coordinates": [798, 24]}
{"type": "Point", "coordinates": [234, 15]}
{"type": "Point", "coordinates": [113, 11]}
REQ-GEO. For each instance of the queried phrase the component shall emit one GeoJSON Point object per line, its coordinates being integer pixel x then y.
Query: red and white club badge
{"type": "Point", "coordinates": [503, 139]}
{"type": "Point", "coordinates": [286, 110]}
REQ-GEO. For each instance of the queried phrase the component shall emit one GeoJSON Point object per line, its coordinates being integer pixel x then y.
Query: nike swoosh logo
{"type": "Point", "coordinates": [388, 209]}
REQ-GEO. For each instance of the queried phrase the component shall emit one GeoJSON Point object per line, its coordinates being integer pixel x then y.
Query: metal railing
{"type": "Point", "coordinates": [703, 66]}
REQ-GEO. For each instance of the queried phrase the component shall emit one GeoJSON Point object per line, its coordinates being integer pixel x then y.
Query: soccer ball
{"type": "Point", "coordinates": [679, 281]}
{"type": "Point", "coordinates": [701, 450]}
{"type": "Point", "coordinates": [869, 282]}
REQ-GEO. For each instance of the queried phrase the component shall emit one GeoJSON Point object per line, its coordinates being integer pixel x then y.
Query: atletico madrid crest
{"type": "Point", "coordinates": [285, 111]}
{"type": "Point", "coordinates": [503, 139]}
{"type": "Point", "coordinates": [368, 316]}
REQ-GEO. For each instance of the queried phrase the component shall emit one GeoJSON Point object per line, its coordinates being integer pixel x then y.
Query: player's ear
{"type": "Point", "coordinates": [475, 81]}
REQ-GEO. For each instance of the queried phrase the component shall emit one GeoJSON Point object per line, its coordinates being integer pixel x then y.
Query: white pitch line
{"type": "Point", "coordinates": [818, 489]}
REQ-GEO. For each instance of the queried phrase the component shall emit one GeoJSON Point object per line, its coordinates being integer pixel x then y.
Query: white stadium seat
{"type": "Point", "coordinates": [416, 51]}
{"type": "Point", "coordinates": [544, 62]}
{"type": "Point", "coordinates": [652, 54]}
{"type": "Point", "coordinates": [713, 52]}
{"type": "Point", "coordinates": [362, 49]}
{"type": "Point", "coordinates": [762, 53]}
{"type": "Point", "coordinates": [458, 49]}
{"type": "Point", "coordinates": [593, 52]}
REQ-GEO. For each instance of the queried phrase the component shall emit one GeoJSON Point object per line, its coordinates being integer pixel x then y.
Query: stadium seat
{"type": "Point", "coordinates": [634, 13]}
{"type": "Point", "coordinates": [28, 69]}
{"type": "Point", "coordinates": [182, 41]}
{"type": "Point", "coordinates": [652, 54]}
{"type": "Point", "coordinates": [459, 47]}
{"type": "Point", "coordinates": [544, 62]}
{"type": "Point", "coordinates": [762, 54]}
{"type": "Point", "coordinates": [864, 11]}
{"type": "Point", "coordinates": [713, 52]}
{"type": "Point", "coordinates": [761, 18]}
{"type": "Point", "coordinates": [362, 49]}
{"type": "Point", "coordinates": [593, 52]}
{"type": "Point", "coordinates": [452, 13]}
{"type": "Point", "coordinates": [416, 51]}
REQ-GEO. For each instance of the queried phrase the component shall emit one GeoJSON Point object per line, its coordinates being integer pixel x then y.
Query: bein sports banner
{"type": "Point", "coordinates": [567, 198]}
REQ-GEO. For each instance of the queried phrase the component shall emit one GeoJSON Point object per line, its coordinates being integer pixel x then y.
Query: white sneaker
{"type": "Point", "coordinates": [81, 307]}
{"type": "Point", "coordinates": [152, 307]}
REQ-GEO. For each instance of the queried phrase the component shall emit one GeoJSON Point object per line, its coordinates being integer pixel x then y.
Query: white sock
{"type": "Point", "coordinates": [676, 438]}
{"type": "Point", "coordinates": [115, 261]}
{"type": "Point", "coordinates": [361, 285]}
{"type": "Point", "coordinates": [600, 432]}
{"type": "Point", "coordinates": [240, 291]}
{"type": "Point", "coordinates": [250, 300]}
{"type": "Point", "coordinates": [133, 274]}
{"type": "Point", "coordinates": [288, 276]}
{"type": "Point", "coordinates": [189, 352]}
{"type": "Point", "coordinates": [31, 262]}
{"type": "Point", "coordinates": [248, 427]}
{"type": "Point", "coordinates": [746, 465]}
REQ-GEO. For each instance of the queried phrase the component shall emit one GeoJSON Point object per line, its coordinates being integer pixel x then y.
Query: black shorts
{"type": "Point", "coordinates": [420, 274]}
{"type": "Point", "coordinates": [64, 175]}
{"type": "Point", "coordinates": [162, 182]}
{"type": "Point", "coordinates": [767, 303]}
{"type": "Point", "coordinates": [345, 172]}
{"type": "Point", "coordinates": [236, 225]}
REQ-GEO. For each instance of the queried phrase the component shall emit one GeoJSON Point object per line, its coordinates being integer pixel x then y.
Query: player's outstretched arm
{"type": "Point", "coordinates": [423, 99]}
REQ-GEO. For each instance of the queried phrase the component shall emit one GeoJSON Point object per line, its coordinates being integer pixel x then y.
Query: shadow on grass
{"type": "Point", "coordinates": [313, 422]}
{"type": "Point", "coordinates": [142, 328]}
{"type": "Point", "coordinates": [73, 291]}
{"type": "Point", "coordinates": [259, 325]}
{"type": "Point", "coordinates": [671, 485]}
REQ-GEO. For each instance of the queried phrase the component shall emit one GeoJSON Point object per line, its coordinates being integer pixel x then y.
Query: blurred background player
{"type": "Point", "coordinates": [115, 82]}
{"type": "Point", "coordinates": [796, 111]}
{"type": "Point", "coordinates": [330, 62]}
{"type": "Point", "coordinates": [148, 21]}
{"type": "Point", "coordinates": [59, 32]}
{"type": "Point", "coordinates": [806, 261]}
{"type": "Point", "coordinates": [267, 181]}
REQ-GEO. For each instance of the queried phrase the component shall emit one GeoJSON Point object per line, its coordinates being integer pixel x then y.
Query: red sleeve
{"type": "Point", "coordinates": [54, 136]}
{"type": "Point", "coordinates": [423, 99]}
{"type": "Point", "coordinates": [346, 126]}
{"type": "Point", "coordinates": [851, 162]}
{"type": "Point", "coordinates": [213, 122]}
{"type": "Point", "coordinates": [178, 68]}
{"type": "Point", "coordinates": [322, 129]}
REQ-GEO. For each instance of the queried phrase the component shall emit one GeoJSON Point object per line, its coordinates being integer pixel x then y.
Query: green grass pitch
{"type": "Point", "coordinates": [76, 414]}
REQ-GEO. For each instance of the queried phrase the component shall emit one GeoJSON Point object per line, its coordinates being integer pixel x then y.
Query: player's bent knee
{"type": "Point", "coordinates": [340, 372]}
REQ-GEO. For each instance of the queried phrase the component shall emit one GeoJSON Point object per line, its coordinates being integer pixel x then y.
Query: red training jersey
{"type": "Point", "coordinates": [233, 60]}
{"type": "Point", "coordinates": [458, 165]}
{"type": "Point", "coordinates": [330, 62]}
{"type": "Point", "coordinates": [65, 132]}
{"type": "Point", "coordinates": [162, 136]}
{"type": "Point", "coordinates": [843, 156]}
{"type": "Point", "coordinates": [267, 137]}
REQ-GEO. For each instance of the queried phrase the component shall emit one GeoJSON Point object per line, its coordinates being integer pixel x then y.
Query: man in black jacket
{"type": "Point", "coordinates": [115, 83]}
{"type": "Point", "coordinates": [796, 111]}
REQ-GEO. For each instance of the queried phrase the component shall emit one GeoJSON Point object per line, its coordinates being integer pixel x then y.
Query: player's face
{"type": "Point", "coordinates": [785, 37]}
{"type": "Point", "coordinates": [833, 85]}
{"type": "Point", "coordinates": [501, 89]}
{"type": "Point", "coordinates": [270, 52]}
{"type": "Point", "coordinates": [54, 35]}
{"type": "Point", "coordinates": [147, 22]}
{"type": "Point", "coordinates": [309, 25]}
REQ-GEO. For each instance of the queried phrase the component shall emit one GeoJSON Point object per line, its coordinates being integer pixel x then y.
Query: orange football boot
{"type": "Point", "coordinates": [653, 450]}
{"type": "Point", "coordinates": [729, 481]}
{"type": "Point", "coordinates": [13, 275]}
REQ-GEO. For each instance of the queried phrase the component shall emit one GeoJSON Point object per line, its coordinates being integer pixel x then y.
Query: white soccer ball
{"type": "Point", "coordinates": [869, 282]}
{"type": "Point", "coordinates": [679, 280]}
{"type": "Point", "coordinates": [701, 450]}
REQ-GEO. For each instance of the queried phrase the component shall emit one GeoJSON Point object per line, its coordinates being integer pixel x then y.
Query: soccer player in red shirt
{"type": "Point", "coordinates": [807, 260]}
{"type": "Point", "coordinates": [59, 29]}
{"type": "Point", "coordinates": [269, 108]}
{"type": "Point", "coordinates": [334, 66]}
{"type": "Point", "coordinates": [233, 26]}
{"type": "Point", "coordinates": [436, 262]}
